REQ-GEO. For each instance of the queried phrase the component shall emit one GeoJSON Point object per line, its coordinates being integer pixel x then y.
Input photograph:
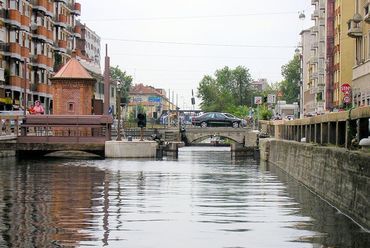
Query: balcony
{"type": "Point", "coordinates": [61, 21]}
{"type": "Point", "coordinates": [41, 33]}
{"type": "Point", "coordinates": [62, 44]}
{"type": "Point", "coordinates": [321, 71]}
{"type": "Point", "coordinates": [25, 22]}
{"type": "Point", "coordinates": [314, 60]}
{"type": "Point", "coordinates": [76, 10]}
{"type": "Point", "coordinates": [321, 21]}
{"type": "Point", "coordinates": [15, 50]}
{"type": "Point", "coordinates": [322, 5]}
{"type": "Point", "coordinates": [314, 45]}
{"type": "Point", "coordinates": [361, 71]}
{"type": "Point", "coordinates": [40, 5]}
{"type": "Point", "coordinates": [41, 61]}
{"type": "Point", "coordinates": [25, 52]}
{"type": "Point", "coordinates": [16, 81]}
{"type": "Point", "coordinates": [50, 9]}
{"type": "Point", "coordinates": [44, 88]}
{"type": "Point", "coordinates": [315, 14]}
{"type": "Point", "coordinates": [14, 18]}
{"type": "Point", "coordinates": [313, 2]}
{"type": "Point", "coordinates": [354, 27]}
{"type": "Point", "coordinates": [77, 31]}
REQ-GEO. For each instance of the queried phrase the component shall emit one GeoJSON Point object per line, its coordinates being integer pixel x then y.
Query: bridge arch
{"type": "Point", "coordinates": [237, 135]}
{"type": "Point", "coordinates": [206, 136]}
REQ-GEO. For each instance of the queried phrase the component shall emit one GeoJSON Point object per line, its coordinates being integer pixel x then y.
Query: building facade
{"type": "Point", "coordinates": [343, 50]}
{"type": "Point", "coordinates": [361, 69]}
{"type": "Point", "coordinates": [36, 39]}
{"type": "Point", "coordinates": [308, 96]}
{"type": "Point", "coordinates": [317, 62]}
{"type": "Point", "coordinates": [153, 101]}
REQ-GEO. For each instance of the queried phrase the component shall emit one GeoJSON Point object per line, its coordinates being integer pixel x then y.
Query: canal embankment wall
{"type": "Point", "coordinates": [338, 175]}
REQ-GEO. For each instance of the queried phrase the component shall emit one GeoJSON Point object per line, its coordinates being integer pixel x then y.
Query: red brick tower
{"type": "Point", "coordinates": [73, 90]}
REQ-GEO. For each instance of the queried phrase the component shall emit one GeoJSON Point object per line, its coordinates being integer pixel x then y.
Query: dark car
{"type": "Point", "coordinates": [216, 119]}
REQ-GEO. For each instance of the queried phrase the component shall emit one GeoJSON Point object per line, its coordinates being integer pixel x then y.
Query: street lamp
{"type": "Point", "coordinates": [118, 105]}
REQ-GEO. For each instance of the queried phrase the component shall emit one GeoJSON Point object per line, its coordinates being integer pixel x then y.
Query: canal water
{"type": "Point", "coordinates": [202, 199]}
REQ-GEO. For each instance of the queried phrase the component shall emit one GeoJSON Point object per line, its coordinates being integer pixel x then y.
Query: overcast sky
{"type": "Point", "coordinates": [172, 44]}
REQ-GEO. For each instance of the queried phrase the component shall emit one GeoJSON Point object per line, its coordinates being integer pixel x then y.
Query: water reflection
{"type": "Point", "coordinates": [203, 199]}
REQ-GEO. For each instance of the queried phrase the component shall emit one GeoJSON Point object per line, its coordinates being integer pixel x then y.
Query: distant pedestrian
{"type": "Point", "coordinates": [38, 109]}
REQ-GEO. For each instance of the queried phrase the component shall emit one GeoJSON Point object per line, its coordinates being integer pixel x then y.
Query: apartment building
{"type": "Point", "coordinates": [307, 95]}
{"type": "Point", "coordinates": [359, 30]}
{"type": "Point", "coordinates": [88, 50]}
{"type": "Point", "coordinates": [343, 50]}
{"type": "Point", "coordinates": [317, 61]}
{"type": "Point", "coordinates": [36, 38]}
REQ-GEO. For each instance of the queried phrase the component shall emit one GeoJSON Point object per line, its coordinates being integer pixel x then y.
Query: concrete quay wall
{"type": "Point", "coordinates": [340, 176]}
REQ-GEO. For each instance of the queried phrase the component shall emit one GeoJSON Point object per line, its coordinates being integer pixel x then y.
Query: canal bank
{"type": "Point", "coordinates": [338, 175]}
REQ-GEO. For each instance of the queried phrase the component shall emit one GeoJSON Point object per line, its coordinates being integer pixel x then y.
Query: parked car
{"type": "Point", "coordinates": [216, 119]}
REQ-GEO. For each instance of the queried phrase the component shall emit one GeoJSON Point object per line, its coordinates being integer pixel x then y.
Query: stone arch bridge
{"type": "Point", "coordinates": [243, 136]}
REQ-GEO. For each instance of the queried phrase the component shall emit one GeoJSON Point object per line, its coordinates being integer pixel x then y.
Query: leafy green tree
{"type": "Point", "coordinates": [227, 89]}
{"type": "Point", "coordinates": [290, 85]}
{"type": "Point", "coordinates": [117, 75]}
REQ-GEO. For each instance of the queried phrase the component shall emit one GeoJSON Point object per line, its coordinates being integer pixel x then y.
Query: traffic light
{"type": "Point", "coordinates": [141, 120]}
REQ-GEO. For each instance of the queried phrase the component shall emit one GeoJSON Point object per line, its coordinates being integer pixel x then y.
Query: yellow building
{"type": "Point", "coordinates": [343, 49]}
{"type": "Point", "coordinates": [361, 69]}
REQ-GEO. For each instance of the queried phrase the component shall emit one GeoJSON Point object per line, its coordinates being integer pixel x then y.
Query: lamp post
{"type": "Point", "coordinates": [25, 100]}
{"type": "Point", "coordinates": [118, 103]}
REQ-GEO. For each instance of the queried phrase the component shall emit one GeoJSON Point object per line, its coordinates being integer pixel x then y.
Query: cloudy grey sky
{"type": "Point", "coordinates": [172, 44]}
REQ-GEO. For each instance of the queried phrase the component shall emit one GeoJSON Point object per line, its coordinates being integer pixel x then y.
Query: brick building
{"type": "Point", "coordinates": [73, 90]}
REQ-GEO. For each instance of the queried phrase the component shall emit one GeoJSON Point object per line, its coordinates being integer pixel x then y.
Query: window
{"type": "Point", "coordinates": [71, 107]}
{"type": "Point", "coordinates": [112, 92]}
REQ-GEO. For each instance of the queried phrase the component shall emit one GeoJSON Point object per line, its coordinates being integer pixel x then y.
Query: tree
{"type": "Point", "coordinates": [226, 90]}
{"type": "Point", "coordinates": [290, 85]}
{"type": "Point", "coordinates": [117, 75]}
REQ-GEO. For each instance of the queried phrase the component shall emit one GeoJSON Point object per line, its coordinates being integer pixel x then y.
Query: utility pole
{"type": "Point", "coordinates": [106, 82]}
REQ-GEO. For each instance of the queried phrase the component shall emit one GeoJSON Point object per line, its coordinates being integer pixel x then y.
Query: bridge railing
{"type": "Point", "coordinates": [343, 129]}
{"type": "Point", "coordinates": [76, 129]}
{"type": "Point", "coordinates": [10, 125]}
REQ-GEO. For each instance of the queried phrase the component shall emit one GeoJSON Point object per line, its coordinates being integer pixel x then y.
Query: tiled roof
{"type": "Point", "coordinates": [144, 90]}
{"type": "Point", "coordinates": [73, 69]}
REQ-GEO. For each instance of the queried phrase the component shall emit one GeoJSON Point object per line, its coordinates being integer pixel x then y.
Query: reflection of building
{"type": "Point", "coordinates": [40, 34]}
{"type": "Point", "coordinates": [56, 209]}
{"type": "Point", "coordinates": [260, 84]}
{"type": "Point", "coordinates": [361, 72]}
{"type": "Point", "coordinates": [154, 101]}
